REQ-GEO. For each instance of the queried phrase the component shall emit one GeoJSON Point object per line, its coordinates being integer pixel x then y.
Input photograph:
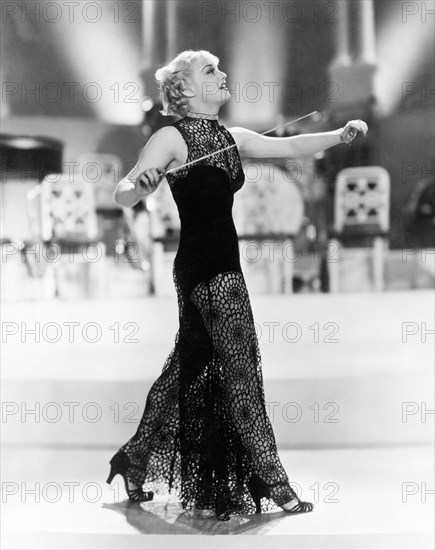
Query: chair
{"type": "Point", "coordinates": [104, 171]}
{"type": "Point", "coordinates": [268, 214]}
{"type": "Point", "coordinates": [62, 215]}
{"type": "Point", "coordinates": [271, 256]}
{"type": "Point", "coordinates": [361, 219]}
{"type": "Point", "coordinates": [15, 232]}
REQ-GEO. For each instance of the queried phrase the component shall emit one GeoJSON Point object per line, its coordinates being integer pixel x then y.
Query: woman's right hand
{"type": "Point", "coordinates": [148, 181]}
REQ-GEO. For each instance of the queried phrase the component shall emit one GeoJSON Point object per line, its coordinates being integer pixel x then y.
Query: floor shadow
{"type": "Point", "coordinates": [155, 521]}
{"type": "Point", "coordinates": [169, 518]}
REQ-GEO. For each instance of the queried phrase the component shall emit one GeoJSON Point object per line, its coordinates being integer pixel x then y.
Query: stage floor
{"type": "Point", "coordinates": [370, 476]}
{"type": "Point", "coordinates": [359, 495]}
{"type": "Point", "coordinates": [300, 335]}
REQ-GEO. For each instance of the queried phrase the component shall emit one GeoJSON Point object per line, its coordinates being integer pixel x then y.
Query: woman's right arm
{"type": "Point", "coordinates": [160, 150]}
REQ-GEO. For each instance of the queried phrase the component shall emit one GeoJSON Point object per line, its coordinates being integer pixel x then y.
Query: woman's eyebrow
{"type": "Point", "coordinates": [209, 65]}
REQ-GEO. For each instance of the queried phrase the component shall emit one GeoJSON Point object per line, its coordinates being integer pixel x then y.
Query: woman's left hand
{"type": "Point", "coordinates": [351, 129]}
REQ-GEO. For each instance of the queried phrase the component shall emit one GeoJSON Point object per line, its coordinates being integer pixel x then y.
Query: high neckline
{"type": "Point", "coordinates": [202, 115]}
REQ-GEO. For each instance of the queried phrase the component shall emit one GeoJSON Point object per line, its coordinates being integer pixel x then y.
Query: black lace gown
{"type": "Point", "coordinates": [205, 430]}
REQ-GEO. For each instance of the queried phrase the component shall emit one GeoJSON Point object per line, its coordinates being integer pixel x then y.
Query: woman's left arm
{"type": "Point", "coordinates": [252, 144]}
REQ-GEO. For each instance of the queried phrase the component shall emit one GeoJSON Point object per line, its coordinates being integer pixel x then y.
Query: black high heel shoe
{"type": "Point", "coordinates": [119, 465]}
{"type": "Point", "coordinates": [259, 489]}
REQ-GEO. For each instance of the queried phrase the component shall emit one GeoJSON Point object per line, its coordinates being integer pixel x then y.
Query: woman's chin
{"type": "Point", "coordinates": [220, 99]}
{"type": "Point", "coordinates": [226, 96]}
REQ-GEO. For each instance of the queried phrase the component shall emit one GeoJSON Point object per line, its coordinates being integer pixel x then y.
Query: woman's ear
{"type": "Point", "coordinates": [188, 92]}
{"type": "Point", "coordinates": [189, 87]}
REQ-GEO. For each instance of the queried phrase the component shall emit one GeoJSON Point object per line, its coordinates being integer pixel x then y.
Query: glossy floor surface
{"type": "Point", "coordinates": [370, 475]}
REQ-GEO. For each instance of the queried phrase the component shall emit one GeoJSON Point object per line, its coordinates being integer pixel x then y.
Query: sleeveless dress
{"type": "Point", "coordinates": [205, 430]}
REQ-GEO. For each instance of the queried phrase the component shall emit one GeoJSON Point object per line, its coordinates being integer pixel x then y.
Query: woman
{"type": "Point", "coordinates": [204, 432]}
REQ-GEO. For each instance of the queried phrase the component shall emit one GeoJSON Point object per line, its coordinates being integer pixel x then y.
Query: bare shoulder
{"type": "Point", "coordinates": [167, 135]}
{"type": "Point", "coordinates": [170, 139]}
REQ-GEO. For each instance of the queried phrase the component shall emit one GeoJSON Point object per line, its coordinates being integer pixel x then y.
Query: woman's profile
{"type": "Point", "coordinates": [205, 434]}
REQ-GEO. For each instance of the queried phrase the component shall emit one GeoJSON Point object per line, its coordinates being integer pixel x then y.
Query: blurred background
{"type": "Point", "coordinates": [79, 99]}
{"type": "Point", "coordinates": [337, 249]}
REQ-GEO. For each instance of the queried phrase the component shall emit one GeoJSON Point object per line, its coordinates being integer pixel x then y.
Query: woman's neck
{"type": "Point", "coordinates": [207, 116]}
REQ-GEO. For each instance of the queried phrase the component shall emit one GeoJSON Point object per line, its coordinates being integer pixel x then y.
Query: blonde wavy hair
{"type": "Point", "coordinates": [173, 80]}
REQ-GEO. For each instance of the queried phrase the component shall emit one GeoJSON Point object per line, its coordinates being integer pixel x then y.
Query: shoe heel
{"type": "Point", "coordinates": [258, 490]}
{"type": "Point", "coordinates": [118, 465]}
{"type": "Point", "coordinates": [112, 474]}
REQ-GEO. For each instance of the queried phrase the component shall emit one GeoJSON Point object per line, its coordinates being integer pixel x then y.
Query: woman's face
{"type": "Point", "coordinates": [208, 83]}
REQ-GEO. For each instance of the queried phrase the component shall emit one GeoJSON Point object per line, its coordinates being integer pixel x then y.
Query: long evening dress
{"type": "Point", "coordinates": [205, 431]}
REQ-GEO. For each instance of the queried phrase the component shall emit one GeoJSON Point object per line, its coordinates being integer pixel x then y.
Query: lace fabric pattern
{"type": "Point", "coordinates": [205, 430]}
{"type": "Point", "coordinates": [204, 137]}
